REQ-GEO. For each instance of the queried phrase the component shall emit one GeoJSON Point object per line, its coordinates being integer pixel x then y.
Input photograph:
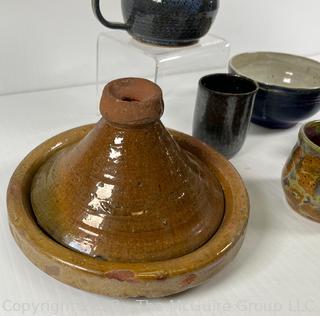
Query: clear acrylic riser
{"type": "Point", "coordinates": [176, 69]}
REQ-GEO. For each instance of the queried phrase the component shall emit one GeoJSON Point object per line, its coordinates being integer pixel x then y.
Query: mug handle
{"type": "Point", "coordinates": [97, 12]}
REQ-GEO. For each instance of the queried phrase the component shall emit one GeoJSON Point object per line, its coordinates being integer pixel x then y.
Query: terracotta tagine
{"type": "Point", "coordinates": [127, 192]}
{"type": "Point", "coordinates": [125, 207]}
{"type": "Point", "coordinates": [301, 173]}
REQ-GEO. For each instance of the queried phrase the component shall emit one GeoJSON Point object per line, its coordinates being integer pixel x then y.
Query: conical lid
{"type": "Point", "coordinates": [127, 191]}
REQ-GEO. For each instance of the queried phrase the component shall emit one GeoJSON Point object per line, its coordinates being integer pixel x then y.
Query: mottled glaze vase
{"type": "Point", "coordinates": [301, 173]}
{"type": "Point", "coordinates": [168, 23]}
{"type": "Point", "coordinates": [125, 207]}
{"type": "Point", "coordinates": [223, 111]}
{"type": "Point", "coordinates": [289, 86]}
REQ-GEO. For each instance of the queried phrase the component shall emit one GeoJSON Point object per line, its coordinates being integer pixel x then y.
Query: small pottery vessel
{"type": "Point", "coordinates": [289, 86]}
{"type": "Point", "coordinates": [223, 111]}
{"type": "Point", "coordinates": [125, 207]}
{"type": "Point", "coordinates": [301, 173]}
{"type": "Point", "coordinates": [168, 23]}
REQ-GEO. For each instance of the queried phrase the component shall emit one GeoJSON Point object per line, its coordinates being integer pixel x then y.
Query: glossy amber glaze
{"type": "Point", "coordinates": [148, 279]}
{"type": "Point", "coordinates": [301, 173]}
{"type": "Point", "coordinates": [127, 191]}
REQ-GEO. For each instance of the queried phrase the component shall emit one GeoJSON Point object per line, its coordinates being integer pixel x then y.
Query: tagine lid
{"type": "Point", "coordinates": [127, 192]}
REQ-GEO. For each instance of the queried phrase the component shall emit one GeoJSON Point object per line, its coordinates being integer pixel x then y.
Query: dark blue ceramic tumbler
{"type": "Point", "coordinates": [164, 22]}
{"type": "Point", "coordinates": [223, 111]}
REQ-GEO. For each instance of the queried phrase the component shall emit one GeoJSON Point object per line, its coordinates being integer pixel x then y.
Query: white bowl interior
{"type": "Point", "coordinates": [278, 69]}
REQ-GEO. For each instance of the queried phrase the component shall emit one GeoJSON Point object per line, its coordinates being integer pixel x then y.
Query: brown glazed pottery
{"type": "Point", "coordinates": [125, 207]}
{"type": "Point", "coordinates": [127, 192]}
{"type": "Point", "coordinates": [301, 173]}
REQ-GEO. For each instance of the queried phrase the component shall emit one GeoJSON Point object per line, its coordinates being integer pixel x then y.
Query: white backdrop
{"type": "Point", "coordinates": [49, 44]}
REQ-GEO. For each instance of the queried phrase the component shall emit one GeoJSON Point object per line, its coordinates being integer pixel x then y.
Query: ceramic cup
{"type": "Point", "coordinates": [223, 111]}
{"type": "Point", "coordinates": [168, 23]}
{"type": "Point", "coordinates": [301, 173]}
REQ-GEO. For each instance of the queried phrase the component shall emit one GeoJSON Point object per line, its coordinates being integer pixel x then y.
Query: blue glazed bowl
{"type": "Point", "coordinates": [289, 86]}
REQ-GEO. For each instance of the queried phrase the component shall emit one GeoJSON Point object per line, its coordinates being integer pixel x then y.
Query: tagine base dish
{"type": "Point", "coordinates": [120, 279]}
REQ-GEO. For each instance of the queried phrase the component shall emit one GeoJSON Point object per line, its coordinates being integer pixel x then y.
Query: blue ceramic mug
{"type": "Point", "coordinates": [164, 22]}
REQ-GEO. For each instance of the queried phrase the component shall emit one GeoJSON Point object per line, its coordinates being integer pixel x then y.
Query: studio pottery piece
{"type": "Point", "coordinates": [301, 173]}
{"type": "Point", "coordinates": [127, 192]}
{"type": "Point", "coordinates": [167, 23]}
{"type": "Point", "coordinates": [289, 86]}
{"type": "Point", "coordinates": [223, 111]}
{"type": "Point", "coordinates": [125, 207]}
